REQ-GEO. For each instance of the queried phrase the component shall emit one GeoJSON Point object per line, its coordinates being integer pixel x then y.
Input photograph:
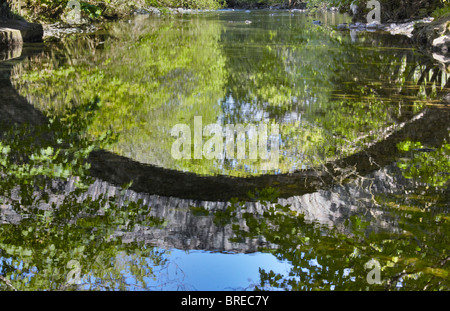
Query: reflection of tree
{"type": "Point", "coordinates": [51, 233]}
{"type": "Point", "coordinates": [345, 94]}
{"type": "Point", "coordinates": [431, 166]}
{"type": "Point", "coordinates": [148, 76]}
{"type": "Point", "coordinates": [323, 258]}
{"type": "Point", "coordinates": [44, 228]}
{"type": "Point", "coordinates": [330, 96]}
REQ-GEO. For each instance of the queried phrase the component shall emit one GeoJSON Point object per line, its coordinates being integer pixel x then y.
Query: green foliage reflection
{"type": "Point", "coordinates": [431, 166]}
{"type": "Point", "coordinates": [49, 217]}
{"type": "Point", "coordinates": [327, 258]}
{"type": "Point", "coordinates": [330, 96]}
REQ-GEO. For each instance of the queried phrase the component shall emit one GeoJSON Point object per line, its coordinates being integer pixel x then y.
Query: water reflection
{"type": "Point", "coordinates": [153, 74]}
{"type": "Point", "coordinates": [74, 216]}
{"type": "Point", "coordinates": [382, 216]}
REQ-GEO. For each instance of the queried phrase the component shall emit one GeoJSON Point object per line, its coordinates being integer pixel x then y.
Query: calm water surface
{"type": "Point", "coordinates": [93, 198]}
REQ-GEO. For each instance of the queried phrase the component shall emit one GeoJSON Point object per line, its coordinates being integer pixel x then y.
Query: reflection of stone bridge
{"type": "Point", "coordinates": [170, 194]}
{"type": "Point", "coordinates": [430, 126]}
{"type": "Point", "coordinates": [183, 229]}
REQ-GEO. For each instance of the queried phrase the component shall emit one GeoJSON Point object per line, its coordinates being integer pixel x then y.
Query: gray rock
{"type": "Point", "coordinates": [360, 25]}
{"type": "Point", "coordinates": [441, 44]}
{"type": "Point", "coordinates": [373, 25]}
{"type": "Point", "coordinates": [16, 32]}
{"type": "Point", "coordinates": [59, 30]}
{"type": "Point", "coordinates": [343, 26]}
{"type": "Point", "coordinates": [404, 28]}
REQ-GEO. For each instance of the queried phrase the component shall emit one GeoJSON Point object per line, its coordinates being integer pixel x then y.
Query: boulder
{"type": "Point", "coordinates": [441, 44]}
{"type": "Point", "coordinates": [343, 26]}
{"type": "Point", "coordinates": [16, 32]}
{"type": "Point", "coordinates": [358, 26]}
{"type": "Point", "coordinates": [10, 37]}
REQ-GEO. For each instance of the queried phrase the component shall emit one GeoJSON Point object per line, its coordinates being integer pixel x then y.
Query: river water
{"type": "Point", "coordinates": [118, 174]}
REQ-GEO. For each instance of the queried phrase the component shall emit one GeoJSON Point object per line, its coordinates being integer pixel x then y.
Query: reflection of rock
{"type": "Point", "coordinates": [441, 58]}
{"type": "Point", "coordinates": [8, 215]}
{"type": "Point", "coordinates": [434, 38]}
{"type": "Point", "coordinates": [333, 207]}
{"type": "Point", "coordinates": [14, 51]}
{"type": "Point", "coordinates": [354, 35]}
{"type": "Point", "coordinates": [13, 107]}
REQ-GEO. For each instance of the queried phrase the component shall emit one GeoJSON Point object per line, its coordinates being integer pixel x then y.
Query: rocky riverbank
{"type": "Point", "coordinates": [61, 29]}
{"type": "Point", "coordinates": [406, 28]}
{"type": "Point", "coordinates": [430, 35]}
{"type": "Point", "coordinates": [434, 38]}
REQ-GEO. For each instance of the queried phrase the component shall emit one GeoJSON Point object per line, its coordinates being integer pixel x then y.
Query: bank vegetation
{"type": "Point", "coordinates": [52, 10]}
